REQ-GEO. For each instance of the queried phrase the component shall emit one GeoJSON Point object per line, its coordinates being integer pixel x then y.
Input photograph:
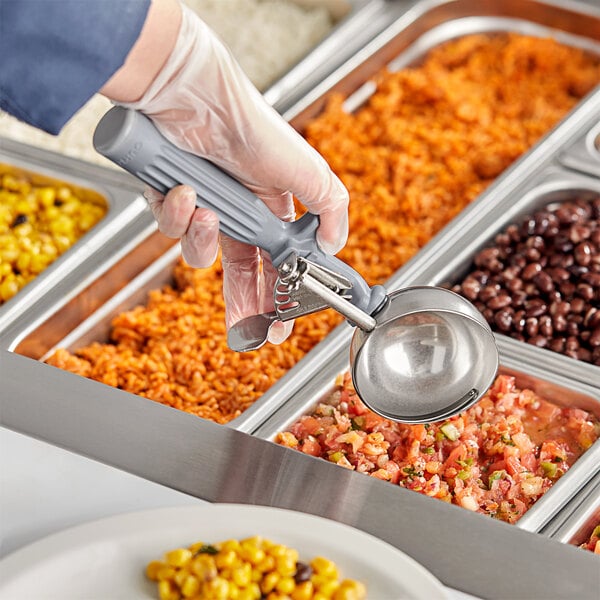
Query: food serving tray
{"type": "Point", "coordinates": [127, 220]}
{"type": "Point", "coordinates": [528, 374]}
{"type": "Point", "coordinates": [222, 464]}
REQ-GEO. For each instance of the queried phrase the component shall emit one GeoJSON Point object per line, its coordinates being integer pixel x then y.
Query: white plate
{"type": "Point", "coordinates": [106, 559]}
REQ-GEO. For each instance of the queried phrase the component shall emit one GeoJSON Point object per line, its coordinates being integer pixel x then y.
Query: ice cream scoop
{"type": "Point", "coordinates": [417, 355]}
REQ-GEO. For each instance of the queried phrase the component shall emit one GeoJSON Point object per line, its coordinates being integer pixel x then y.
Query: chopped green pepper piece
{"type": "Point", "coordinates": [450, 431]}
{"type": "Point", "coordinates": [549, 469]}
{"type": "Point", "coordinates": [357, 423]}
{"type": "Point", "coordinates": [496, 475]}
{"type": "Point", "coordinates": [336, 456]}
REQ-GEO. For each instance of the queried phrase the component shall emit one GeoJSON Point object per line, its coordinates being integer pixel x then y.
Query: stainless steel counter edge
{"type": "Point", "coordinates": [466, 551]}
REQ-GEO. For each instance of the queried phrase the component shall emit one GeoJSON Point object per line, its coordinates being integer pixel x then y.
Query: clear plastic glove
{"type": "Point", "coordinates": [204, 103]}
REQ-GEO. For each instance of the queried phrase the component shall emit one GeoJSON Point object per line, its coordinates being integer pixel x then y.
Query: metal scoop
{"type": "Point", "coordinates": [417, 355]}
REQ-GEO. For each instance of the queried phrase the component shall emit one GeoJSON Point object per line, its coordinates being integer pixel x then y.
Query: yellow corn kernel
{"type": "Point", "coordinates": [37, 263]}
{"type": "Point", "coordinates": [267, 564]}
{"type": "Point", "coordinates": [252, 553]}
{"type": "Point", "coordinates": [252, 592]}
{"type": "Point", "coordinates": [269, 582]}
{"type": "Point", "coordinates": [62, 242]}
{"type": "Point", "coordinates": [277, 550]}
{"type": "Point", "coordinates": [51, 213]}
{"type": "Point", "coordinates": [9, 255]}
{"type": "Point", "coordinates": [230, 545]}
{"type": "Point", "coordinates": [46, 196]}
{"type": "Point", "coordinates": [285, 565]}
{"type": "Point", "coordinates": [325, 585]}
{"type": "Point", "coordinates": [23, 262]}
{"type": "Point", "coordinates": [86, 222]}
{"type": "Point", "coordinates": [180, 576]}
{"type": "Point", "coordinates": [255, 540]}
{"type": "Point", "coordinates": [324, 566]}
{"type": "Point", "coordinates": [204, 567]}
{"type": "Point", "coordinates": [303, 591]}
{"type": "Point", "coordinates": [195, 547]}
{"type": "Point", "coordinates": [8, 288]}
{"type": "Point", "coordinates": [350, 589]}
{"type": "Point", "coordinates": [242, 576]}
{"type": "Point", "coordinates": [23, 230]}
{"type": "Point", "coordinates": [286, 585]}
{"type": "Point", "coordinates": [24, 207]}
{"type": "Point", "coordinates": [63, 193]}
{"type": "Point", "coordinates": [166, 591]}
{"type": "Point", "coordinates": [179, 557]}
{"type": "Point", "coordinates": [190, 586]}
{"type": "Point", "coordinates": [217, 588]}
{"type": "Point", "coordinates": [153, 568]}
{"type": "Point", "coordinates": [226, 559]}
{"type": "Point", "coordinates": [166, 573]}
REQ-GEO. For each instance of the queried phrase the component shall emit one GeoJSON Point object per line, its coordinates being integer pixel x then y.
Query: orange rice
{"type": "Point", "coordinates": [425, 145]}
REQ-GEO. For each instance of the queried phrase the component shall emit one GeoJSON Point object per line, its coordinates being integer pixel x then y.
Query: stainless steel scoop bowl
{"type": "Point", "coordinates": [430, 356]}
{"type": "Point", "coordinates": [417, 355]}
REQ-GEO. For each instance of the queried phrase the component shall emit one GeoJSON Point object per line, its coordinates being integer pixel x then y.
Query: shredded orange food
{"type": "Point", "coordinates": [425, 145]}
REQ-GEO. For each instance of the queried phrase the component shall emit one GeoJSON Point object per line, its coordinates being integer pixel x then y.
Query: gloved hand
{"type": "Point", "coordinates": [203, 102]}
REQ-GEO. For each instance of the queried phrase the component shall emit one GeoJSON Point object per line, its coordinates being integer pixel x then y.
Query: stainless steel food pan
{"type": "Point", "coordinates": [87, 317]}
{"type": "Point", "coordinates": [583, 154]}
{"type": "Point", "coordinates": [420, 26]}
{"type": "Point", "coordinates": [527, 372]}
{"type": "Point", "coordinates": [127, 218]}
{"type": "Point", "coordinates": [449, 258]}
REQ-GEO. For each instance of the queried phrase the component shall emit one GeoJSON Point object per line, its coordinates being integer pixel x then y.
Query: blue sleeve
{"type": "Point", "coordinates": [56, 54]}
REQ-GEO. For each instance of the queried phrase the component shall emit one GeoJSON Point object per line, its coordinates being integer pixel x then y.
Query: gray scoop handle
{"type": "Point", "coordinates": [132, 141]}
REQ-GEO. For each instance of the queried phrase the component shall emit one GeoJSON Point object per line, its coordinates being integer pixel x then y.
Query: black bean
{"type": "Point", "coordinates": [504, 319]}
{"type": "Point", "coordinates": [583, 253]}
{"type": "Point", "coordinates": [530, 271]}
{"type": "Point", "coordinates": [502, 300]}
{"type": "Point", "coordinates": [19, 220]}
{"type": "Point", "coordinates": [559, 323]}
{"type": "Point", "coordinates": [303, 572]}
{"type": "Point", "coordinates": [538, 340]}
{"type": "Point", "coordinates": [531, 326]}
{"type": "Point", "coordinates": [544, 282]}
{"type": "Point", "coordinates": [535, 307]}
{"type": "Point", "coordinates": [557, 344]}
{"type": "Point", "coordinates": [545, 326]}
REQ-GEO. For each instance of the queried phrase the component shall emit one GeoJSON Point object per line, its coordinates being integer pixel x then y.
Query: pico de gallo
{"type": "Point", "coordinates": [496, 458]}
{"type": "Point", "coordinates": [593, 543]}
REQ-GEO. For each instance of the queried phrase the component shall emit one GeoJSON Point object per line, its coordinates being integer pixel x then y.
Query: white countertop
{"type": "Point", "coordinates": [45, 489]}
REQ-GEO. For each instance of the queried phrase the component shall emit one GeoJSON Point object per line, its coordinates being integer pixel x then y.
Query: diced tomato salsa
{"type": "Point", "coordinates": [593, 543]}
{"type": "Point", "coordinates": [496, 458]}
